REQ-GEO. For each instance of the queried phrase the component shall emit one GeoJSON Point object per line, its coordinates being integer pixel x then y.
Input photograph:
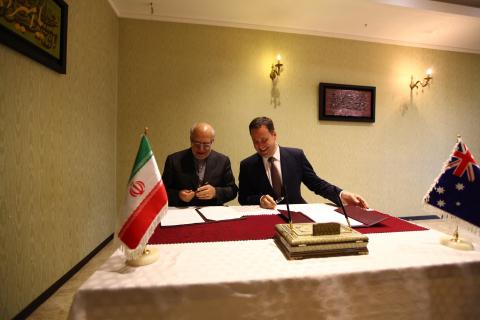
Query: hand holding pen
{"type": "Point", "coordinates": [205, 192]}
{"type": "Point", "coordinates": [186, 195]}
{"type": "Point", "coordinates": [267, 202]}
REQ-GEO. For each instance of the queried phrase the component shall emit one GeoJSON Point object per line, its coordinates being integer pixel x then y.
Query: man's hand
{"type": "Point", "coordinates": [186, 195]}
{"type": "Point", "coordinates": [353, 199]}
{"type": "Point", "coordinates": [206, 192]}
{"type": "Point", "coordinates": [267, 202]}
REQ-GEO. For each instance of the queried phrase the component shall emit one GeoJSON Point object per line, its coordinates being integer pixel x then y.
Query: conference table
{"type": "Point", "coordinates": [407, 274]}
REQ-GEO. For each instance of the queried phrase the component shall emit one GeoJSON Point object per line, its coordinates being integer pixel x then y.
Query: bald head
{"type": "Point", "coordinates": [202, 128]}
{"type": "Point", "coordinates": [202, 136]}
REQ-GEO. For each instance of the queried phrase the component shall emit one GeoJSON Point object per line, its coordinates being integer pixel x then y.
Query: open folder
{"type": "Point", "coordinates": [193, 215]}
{"type": "Point", "coordinates": [366, 216]}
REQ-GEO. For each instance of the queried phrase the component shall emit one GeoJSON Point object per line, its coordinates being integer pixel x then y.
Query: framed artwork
{"type": "Point", "coordinates": [37, 29]}
{"type": "Point", "coordinates": [342, 102]}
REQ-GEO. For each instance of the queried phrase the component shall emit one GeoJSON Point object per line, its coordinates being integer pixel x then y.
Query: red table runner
{"type": "Point", "coordinates": [254, 228]}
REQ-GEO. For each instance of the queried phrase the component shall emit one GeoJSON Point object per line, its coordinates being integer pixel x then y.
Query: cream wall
{"type": "Point", "coordinates": [57, 156]}
{"type": "Point", "coordinates": [171, 75]}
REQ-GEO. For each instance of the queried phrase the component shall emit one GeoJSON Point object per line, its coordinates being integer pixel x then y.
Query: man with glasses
{"type": "Point", "coordinates": [199, 176]}
{"type": "Point", "coordinates": [274, 172]}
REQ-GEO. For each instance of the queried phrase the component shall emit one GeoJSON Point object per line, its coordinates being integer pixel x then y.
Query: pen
{"type": "Point", "coordinates": [201, 185]}
{"type": "Point", "coordinates": [344, 211]}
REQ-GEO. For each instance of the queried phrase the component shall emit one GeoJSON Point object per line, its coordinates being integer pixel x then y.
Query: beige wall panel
{"type": "Point", "coordinates": [171, 75]}
{"type": "Point", "coordinates": [57, 156]}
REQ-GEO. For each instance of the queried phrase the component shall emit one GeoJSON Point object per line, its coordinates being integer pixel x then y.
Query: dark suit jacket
{"type": "Point", "coordinates": [253, 181]}
{"type": "Point", "coordinates": [179, 173]}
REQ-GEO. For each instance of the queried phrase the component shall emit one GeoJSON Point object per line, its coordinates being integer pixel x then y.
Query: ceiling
{"type": "Point", "coordinates": [444, 25]}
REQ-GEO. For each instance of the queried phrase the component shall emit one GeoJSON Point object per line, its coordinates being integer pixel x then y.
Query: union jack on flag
{"type": "Point", "coordinates": [463, 161]}
{"type": "Point", "coordinates": [457, 188]}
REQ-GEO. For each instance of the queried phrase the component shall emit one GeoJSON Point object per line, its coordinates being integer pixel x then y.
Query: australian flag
{"type": "Point", "coordinates": [457, 189]}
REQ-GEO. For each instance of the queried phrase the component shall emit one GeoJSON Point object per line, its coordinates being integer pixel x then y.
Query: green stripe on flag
{"type": "Point", "coordinates": [143, 155]}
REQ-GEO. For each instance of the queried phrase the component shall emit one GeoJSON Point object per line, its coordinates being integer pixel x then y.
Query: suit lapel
{"type": "Point", "coordinates": [284, 162]}
{"type": "Point", "coordinates": [189, 166]}
{"type": "Point", "coordinates": [209, 167]}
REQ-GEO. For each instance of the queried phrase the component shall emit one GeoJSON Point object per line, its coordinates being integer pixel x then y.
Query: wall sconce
{"type": "Point", "coordinates": [424, 83]}
{"type": "Point", "coordinates": [276, 68]}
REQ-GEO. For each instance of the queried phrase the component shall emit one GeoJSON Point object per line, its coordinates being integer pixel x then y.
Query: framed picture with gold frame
{"type": "Point", "coordinates": [343, 102]}
{"type": "Point", "coordinates": [37, 29]}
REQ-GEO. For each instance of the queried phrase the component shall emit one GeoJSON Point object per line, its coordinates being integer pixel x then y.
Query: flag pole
{"type": "Point", "coordinates": [146, 251]}
{"type": "Point", "coordinates": [454, 241]}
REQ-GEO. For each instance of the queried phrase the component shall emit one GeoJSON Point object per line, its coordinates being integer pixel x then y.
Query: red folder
{"type": "Point", "coordinates": [367, 217]}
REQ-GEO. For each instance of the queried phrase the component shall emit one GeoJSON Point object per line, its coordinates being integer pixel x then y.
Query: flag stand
{"type": "Point", "coordinates": [457, 243]}
{"type": "Point", "coordinates": [145, 205]}
{"type": "Point", "coordinates": [149, 255]}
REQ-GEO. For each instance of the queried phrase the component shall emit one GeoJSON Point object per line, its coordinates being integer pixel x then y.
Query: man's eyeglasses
{"type": "Point", "coordinates": [205, 145]}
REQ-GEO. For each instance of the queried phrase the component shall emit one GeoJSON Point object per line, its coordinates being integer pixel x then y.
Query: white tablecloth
{"type": "Point", "coordinates": [407, 275]}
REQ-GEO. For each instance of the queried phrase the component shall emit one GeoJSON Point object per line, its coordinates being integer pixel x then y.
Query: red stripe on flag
{"type": "Point", "coordinates": [463, 163]}
{"type": "Point", "coordinates": [137, 224]}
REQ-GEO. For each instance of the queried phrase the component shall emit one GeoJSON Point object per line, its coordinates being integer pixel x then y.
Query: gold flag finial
{"type": "Point", "coordinates": [145, 131]}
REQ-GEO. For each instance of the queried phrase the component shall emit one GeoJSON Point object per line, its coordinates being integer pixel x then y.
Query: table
{"type": "Point", "coordinates": [407, 275]}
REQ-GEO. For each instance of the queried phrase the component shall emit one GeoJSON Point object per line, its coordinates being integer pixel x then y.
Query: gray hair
{"type": "Point", "coordinates": [202, 126]}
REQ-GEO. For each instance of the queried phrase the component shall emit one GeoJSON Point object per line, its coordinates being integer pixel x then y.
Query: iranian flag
{"type": "Point", "coordinates": [145, 205]}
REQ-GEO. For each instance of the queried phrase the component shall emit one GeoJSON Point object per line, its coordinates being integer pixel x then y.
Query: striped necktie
{"type": "Point", "coordinates": [276, 180]}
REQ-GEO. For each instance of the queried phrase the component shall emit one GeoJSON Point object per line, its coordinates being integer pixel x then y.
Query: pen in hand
{"type": "Point", "coordinates": [201, 185]}
{"type": "Point", "coordinates": [205, 191]}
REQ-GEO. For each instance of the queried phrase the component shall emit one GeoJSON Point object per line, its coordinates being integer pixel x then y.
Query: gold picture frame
{"type": "Point", "coordinates": [37, 29]}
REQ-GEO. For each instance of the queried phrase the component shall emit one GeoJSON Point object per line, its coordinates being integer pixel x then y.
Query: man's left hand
{"type": "Point", "coordinates": [353, 199]}
{"type": "Point", "coordinates": [205, 192]}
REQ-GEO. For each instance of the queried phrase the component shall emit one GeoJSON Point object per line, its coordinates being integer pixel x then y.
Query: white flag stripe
{"type": "Point", "coordinates": [149, 175]}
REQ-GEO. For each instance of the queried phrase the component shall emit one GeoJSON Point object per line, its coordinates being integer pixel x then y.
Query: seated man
{"type": "Point", "coordinates": [275, 172]}
{"type": "Point", "coordinates": [199, 176]}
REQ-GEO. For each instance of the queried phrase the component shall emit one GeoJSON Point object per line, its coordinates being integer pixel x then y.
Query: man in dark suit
{"type": "Point", "coordinates": [199, 176]}
{"type": "Point", "coordinates": [276, 172]}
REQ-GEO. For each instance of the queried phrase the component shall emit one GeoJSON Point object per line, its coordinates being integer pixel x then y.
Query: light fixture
{"type": "Point", "coordinates": [276, 68]}
{"type": "Point", "coordinates": [151, 8]}
{"type": "Point", "coordinates": [424, 83]}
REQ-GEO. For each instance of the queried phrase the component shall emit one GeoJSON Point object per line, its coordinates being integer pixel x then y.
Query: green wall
{"type": "Point", "coordinates": [57, 156]}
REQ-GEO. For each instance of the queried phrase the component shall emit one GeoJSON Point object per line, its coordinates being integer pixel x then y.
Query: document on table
{"type": "Point", "coordinates": [181, 216]}
{"type": "Point", "coordinates": [321, 212]}
{"type": "Point", "coordinates": [219, 213]}
{"type": "Point", "coordinates": [254, 210]}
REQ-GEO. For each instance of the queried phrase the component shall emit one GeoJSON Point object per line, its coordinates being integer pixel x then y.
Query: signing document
{"type": "Point", "coordinates": [320, 212]}
{"type": "Point", "coordinates": [220, 213]}
{"type": "Point", "coordinates": [254, 210]}
{"type": "Point", "coordinates": [181, 216]}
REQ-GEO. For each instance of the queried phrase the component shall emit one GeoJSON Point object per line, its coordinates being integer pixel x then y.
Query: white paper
{"type": "Point", "coordinates": [220, 213]}
{"type": "Point", "coordinates": [177, 217]}
{"type": "Point", "coordinates": [254, 210]}
{"type": "Point", "coordinates": [320, 212]}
